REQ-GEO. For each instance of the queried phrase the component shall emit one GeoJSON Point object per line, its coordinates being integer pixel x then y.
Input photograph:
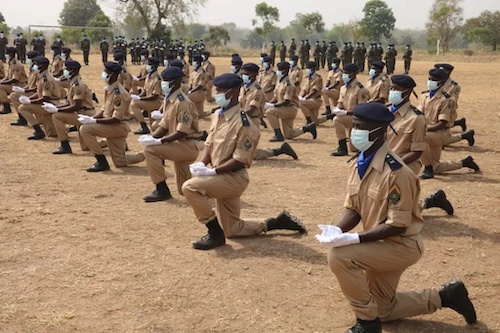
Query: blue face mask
{"type": "Point", "coordinates": [221, 100]}
{"type": "Point", "coordinates": [246, 78]}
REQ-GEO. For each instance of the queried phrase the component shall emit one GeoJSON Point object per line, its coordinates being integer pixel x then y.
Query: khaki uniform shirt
{"type": "Point", "coordinates": [17, 72]}
{"type": "Point", "coordinates": [296, 75]}
{"type": "Point", "coordinates": [453, 89]}
{"type": "Point", "coordinates": [185, 70]}
{"type": "Point", "coordinates": [48, 87]}
{"type": "Point", "coordinates": [79, 91]}
{"type": "Point", "coordinates": [335, 76]}
{"type": "Point", "coordinates": [253, 95]}
{"type": "Point", "coordinates": [385, 195]}
{"type": "Point", "coordinates": [125, 78]}
{"type": "Point", "coordinates": [143, 72]}
{"type": "Point", "coordinates": [410, 127]}
{"type": "Point", "coordinates": [32, 79]}
{"type": "Point", "coordinates": [439, 107]}
{"type": "Point", "coordinates": [267, 80]}
{"type": "Point", "coordinates": [209, 69]}
{"type": "Point", "coordinates": [352, 95]}
{"type": "Point", "coordinates": [232, 135]}
{"type": "Point", "coordinates": [286, 91]}
{"type": "Point", "coordinates": [179, 114]}
{"type": "Point", "coordinates": [197, 78]}
{"type": "Point", "coordinates": [152, 86]}
{"type": "Point", "coordinates": [116, 102]}
{"type": "Point", "coordinates": [313, 83]}
{"type": "Point", "coordinates": [57, 65]}
{"type": "Point", "coordinates": [378, 88]}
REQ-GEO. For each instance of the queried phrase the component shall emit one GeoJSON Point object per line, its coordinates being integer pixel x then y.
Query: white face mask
{"type": "Point", "coordinates": [179, 58]}
{"type": "Point", "coordinates": [59, 39]}
{"type": "Point", "coordinates": [143, 58]}
{"type": "Point", "coordinates": [246, 79]}
{"type": "Point", "coordinates": [7, 57]}
{"type": "Point", "coordinates": [105, 77]}
{"type": "Point", "coordinates": [149, 68]}
{"type": "Point", "coordinates": [52, 52]}
{"type": "Point", "coordinates": [261, 60]}
{"type": "Point", "coordinates": [279, 74]}
{"type": "Point", "coordinates": [432, 85]}
{"type": "Point", "coordinates": [36, 69]}
{"type": "Point", "coordinates": [334, 65]}
{"type": "Point", "coordinates": [346, 78]}
{"type": "Point", "coordinates": [309, 71]}
{"type": "Point", "coordinates": [221, 100]}
{"type": "Point", "coordinates": [165, 62]}
{"type": "Point", "coordinates": [165, 86]}
{"type": "Point", "coordinates": [63, 56]}
{"type": "Point", "coordinates": [372, 72]}
{"type": "Point", "coordinates": [265, 65]}
{"type": "Point", "coordinates": [29, 62]}
{"type": "Point", "coordinates": [195, 64]}
{"type": "Point", "coordinates": [360, 139]}
{"type": "Point", "coordinates": [395, 97]}
{"type": "Point", "coordinates": [66, 74]}
{"type": "Point", "coordinates": [233, 69]}
{"type": "Point", "coordinates": [292, 63]}
{"type": "Point", "coordinates": [204, 57]}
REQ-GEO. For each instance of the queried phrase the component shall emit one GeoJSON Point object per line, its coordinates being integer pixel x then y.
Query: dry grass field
{"type": "Point", "coordinates": [82, 252]}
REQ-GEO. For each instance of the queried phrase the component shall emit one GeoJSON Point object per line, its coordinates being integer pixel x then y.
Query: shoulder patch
{"type": "Point", "coordinates": [454, 82]}
{"type": "Point", "coordinates": [360, 85]}
{"type": "Point", "coordinates": [77, 83]}
{"type": "Point", "coordinates": [45, 78]}
{"type": "Point", "coordinates": [247, 144]}
{"type": "Point", "coordinates": [181, 97]}
{"type": "Point", "coordinates": [117, 91]}
{"type": "Point", "coordinates": [416, 110]}
{"type": "Point", "coordinates": [258, 86]}
{"type": "Point", "coordinates": [393, 163]}
{"type": "Point", "coordinates": [244, 119]}
{"type": "Point", "coordinates": [445, 94]}
{"type": "Point", "coordinates": [394, 194]}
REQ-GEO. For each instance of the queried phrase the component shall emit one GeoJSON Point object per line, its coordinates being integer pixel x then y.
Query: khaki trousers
{"type": "Point", "coordinates": [138, 106]}
{"type": "Point", "coordinates": [115, 135]}
{"type": "Point", "coordinates": [452, 138]}
{"type": "Point", "coordinates": [35, 114]}
{"type": "Point", "coordinates": [330, 97]}
{"type": "Point", "coordinates": [182, 153]}
{"type": "Point", "coordinates": [198, 98]}
{"type": "Point", "coordinates": [287, 115]}
{"type": "Point", "coordinates": [432, 153]}
{"type": "Point", "coordinates": [415, 166]}
{"type": "Point", "coordinates": [5, 91]}
{"type": "Point", "coordinates": [208, 95]}
{"type": "Point", "coordinates": [369, 273]}
{"type": "Point", "coordinates": [226, 189]}
{"type": "Point", "coordinates": [310, 108]}
{"type": "Point", "coordinates": [60, 119]}
{"type": "Point", "coordinates": [262, 154]}
{"type": "Point", "coordinates": [14, 100]}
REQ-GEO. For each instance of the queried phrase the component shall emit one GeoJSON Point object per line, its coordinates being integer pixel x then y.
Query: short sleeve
{"type": "Point", "coordinates": [289, 91]}
{"type": "Point", "coordinates": [363, 95]}
{"type": "Point", "coordinates": [119, 106]}
{"type": "Point", "coordinates": [185, 117]}
{"type": "Point", "coordinates": [246, 143]}
{"type": "Point", "coordinates": [79, 93]}
{"type": "Point", "coordinates": [446, 108]}
{"type": "Point", "coordinates": [418, 135]}
{"type": "Point", "coordinates": [404, 191]}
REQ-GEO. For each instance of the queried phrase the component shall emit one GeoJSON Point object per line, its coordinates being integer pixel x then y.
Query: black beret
{"type": "Point", "coordinates": [236, 61]}
{"type": "Point", "coordinates": [66, 50]}
{"type": "Point", "coordinates": [11, 49]}
{"type": "Point", "coordinates": [171, 72]}
{"type": "Point", "coordinates": [235, 55]}
{"type": "Point", "coordinates": [153, 61]}
{"type": "Point", "coordinates": [373, 111]}
{"type": "Point", "coordinates": [403, 81]}
{"type": "Point", "coordinates": [350, 68]}
{"type": "Point", "coordinates": [378, 64]}
{"type": "Point", "coordinates": [40, 60]}
{"type": "Point", "coordinates": [336, 60]}
{"type": "Point", "coordinates": [144, 51]}
{"type": "Point", "coordinates": [113, 66]}
{"type": "Point", "coordinates": [445, 66]}
{"type": "Point", "coordinates": [439, 73]}
{"type": "Point", "coordinates": [176, 63]}
{"type": "Point", "coordinates": [118, 56]}
{"type": "Point", "coordinates": [169, 56]}
{"type": "Point", "coordinates": [283, 65]}
{"type": "Point", "coordinates": [262, 55]}
{"type": "Point", "coordinates": [32, 54]}
{"type": "Point", "coordinates": [197, 58]}
{"type": "Point", "coordinates": [206, 53]}
{"type": "Point", "coordinates": [228, 80]}
{"type": "Point", "coordinates": [251, 67]}
{"type": "Point", "coordinates": [310, 64]}
{"type": "Point", "coordinates": [294, 57]}
{"type": "Point", "coordinates": [268, 59]}
{"type": "Point", "coordinates": [71, 64]}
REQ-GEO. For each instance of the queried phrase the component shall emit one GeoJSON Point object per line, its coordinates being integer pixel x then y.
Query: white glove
{"type": "Point", "coordinates": [269, 105]}
{"type": "Point", "coordinates": [156, 114]}
{"type": "Point", "coordinates": [301, 98]}
{"type": "Point", "coordinates": [328, 231]}
{"type": "Point", "coordinates": [24, 100]}
{"type": "Point", "coordinates": [135, 78]}
{"type": "Point", "coordinates": [18, 89]}
{"type": "Point", "coordinates": [49, 107]}
{"type": "Point", "coordinates": [149, 140]}
{"type": "Point", "coordinates": [196, 165]}
{"type": "Point", "coordinates": [325, 88]}
{"type": "Point", "coordinates": [344, 239]}
{"type": "Point", "coordinates": [339, 112]}
{"type": "Point", "coordinates": [57, 79]}
{"type": "Point", "coordinates": [86, 119]}
{"type": "Point", "coordinates": [202, 171]}
{"type": "Point", "coordinates": [135, 97]}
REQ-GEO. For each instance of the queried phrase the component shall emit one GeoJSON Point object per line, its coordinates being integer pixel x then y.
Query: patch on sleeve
{"type": "Point", "coordinates": [181, 97]}
{"type": "Point", "coordinates": [186, 118]}
{"type": "Point", "coordinates": [394, 194]}
{"type": "Point", "coordinates": [46, 86]}
{"type": "Point", "coordinates": [118, 102]}
{"type": "Point", "coordinates": [78, 92]}
{"type": "Point", "coordinates": [363, 96]}
{"type": "Point", "coordinates": [450, 104]}
{"type": "Point", "coordinates": [247, 144]}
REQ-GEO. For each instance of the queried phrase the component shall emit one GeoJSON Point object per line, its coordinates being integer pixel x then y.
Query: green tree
{"type": "Point", "coordinates": [71, 35]}
{"type": "Point", "coordinates": [267, 16]}
{"type": "Point", "coordinates": [2, 18]}
{"type": "Point", "coordinates": [312, 22]}
{"type": "Point", "coordinates": [5, 28]}
{"type": "Point", "coordinates": [484, 29]}
{"type": "Point", "coordinates": [99, 20]}
{"type": "Point", "coordinates": [379, 20]}
{"type": "Point", "coordinates": [217, 36]}
{"type": "Point", "coordinates": [445, 18]}
{"type": "Point", "coordinates": [79, 12]}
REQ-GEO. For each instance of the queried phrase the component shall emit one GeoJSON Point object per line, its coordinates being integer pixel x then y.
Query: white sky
{"type": "Point", "coordinates": [408, 13]}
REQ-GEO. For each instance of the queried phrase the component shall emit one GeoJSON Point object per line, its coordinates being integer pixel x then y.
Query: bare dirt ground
{"type": "Point", "coordinates": [82, 252]}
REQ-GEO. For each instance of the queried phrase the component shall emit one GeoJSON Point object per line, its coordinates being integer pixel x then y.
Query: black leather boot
{"type": "Point", "coordinates": [263, 122]}
{"type": "Point", "coordinates": [65, 148]}
{"type": "Point", "coordinates": [428, 172]}
{"type": "Point", "coordinates": [73, 129]}
{"type": "Point", "coordinates": [455, 296]}
{"type": "Point", "coordinates": [308, 120]}
{"type": "Point", "coordinates": [469, 136]}
{"type": "Point", "coordinates": [278, 136]}
{"type": "Point", "coordinates": [468, 162]}
{"type": "Point", "coordinates": [311, 128]}
{"type": "Point", "coordinates": [144, 130]}
{"type": "Point", "coordinates": [100, 165]}
{"type": "Point", "coordinates": [328, 111]}
{"type": "Point", "coordinates": [20, 121]}
{"type": "Point", "coordinates": [438, 200]}
{"type": "Point", "coordinates": [462, 123]}
{"type": "Point", "coordinates": [39, 133]}
{"type": "Point", "coordinates": [366, 326]}
{"type": "Point", "coordinates": [285, 221]}
{"type": "Point", "coordinates": [287, 150]}
{"type": "Point", "coordinates": [6, 108]}
{"type": "Point", "coordinates": [342, 148]}
{"type": "Point", "coordinates": [214, 238]}
{"type": "Point", "coordinates": [161, 193]}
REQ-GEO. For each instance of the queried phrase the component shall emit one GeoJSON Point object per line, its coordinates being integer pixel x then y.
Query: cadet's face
{"type": "Point", "coordinates": [368, 126]}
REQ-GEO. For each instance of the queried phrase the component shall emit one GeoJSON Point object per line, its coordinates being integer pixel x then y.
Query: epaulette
{"type": "Point", "coordinates": [181, 97]}
{"type": "Point", "coordinates": [360, 85]}
{"type": "Point", "coordinates": [117, 91]}
{"type": "Point", "coordinates": [383, 78]}
{"type": "Point", "coordinates": [76, 83]}
{"type": "Point", "coordinates": [45, 78]}
{"type": "Point", "coordinates": [288, 83]}
{"type": "Point", "coordinates": [454, 82]}
{"type": "Point", "coordinates": [393, 163]}
{"type": "Point", "coordinates": [416, 110]}
{"type": "Point", "coordinates": [244, 119]}
{"type": "Point", "coordinates": [445, 94]}
{"type": "Point", "coordinates": [258, 86]}
{"type": "Point", "coordinates": [425, 91]}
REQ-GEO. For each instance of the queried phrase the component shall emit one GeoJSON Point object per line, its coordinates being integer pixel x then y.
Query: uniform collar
{"type": "Point", "coordinates": [403, 108]}
{"type": "Point", "coordinates": [378, 160]}
{"type": "Point", "coordinates": [173, 95]}
{"type": "Point", "coordinates": [228, 114]}
{"type": "Point", "coordinates": [251, 85]}
{"type": "Point", "coordinates": [112, 86]}
{"type": "Point", "coordinates": [352, 82]}
{"type": "Point", "coordinates": [44, 73]}
{"type": "Point", "coordinates": [73, 80]}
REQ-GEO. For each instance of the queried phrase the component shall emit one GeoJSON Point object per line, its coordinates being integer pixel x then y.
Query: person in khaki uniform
{"type": "Point", "coordinates": [150, 98]}
{"type": "Point", "coordinates": [197, 84]}
{"type": "Point", "coordinates": [382, 196]}
{"type": "Point", "coordinates": [296, 74]}
{"type": "Point", "coordinates": [378, 85]}
{"type": "Point", "coordinates": [16, 76]}
{"type": "Point", "coordinates": [79, 102]}
{"type": "Point", "coordinates": [331, 91]}
{"type": "Point", "coordinates": [209, 69]}
{"type": "Point", "coordinates": [310, 95]}
{"type": "Point", "coordinates": [57, 64]}
{"type": "Point", "coordinates": [125, 78]}
{"type": "Point", "coordinates": [351, 94]}
{"type": "Point", "coordinates": [139, 80]}
{"type": "Point", "coordinates": [173, 139]}
{"type": "Point", "coordinates": [236, 64]}
{"type": "Point", "coordinates": [26, 90]}
{"type": "Point", "coordinates": [267, 78]}
{"type": "Point", "coordinates": [228, 178]}
{"type": "Point", "coordinates": [283, 107]}
{"type": "Point", "coordinates": [65, 55]}
{"type": "Point", "coordinates": [110, 123]}
{"type": "Point", "coordinates": [48, 90]}
{"type": "Point", "coordinates": [437, 106]}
